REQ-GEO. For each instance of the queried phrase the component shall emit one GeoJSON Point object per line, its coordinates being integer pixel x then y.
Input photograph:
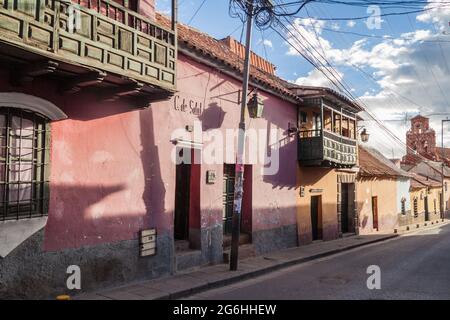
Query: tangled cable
{"type": "Point", "coordinates": [264, 11]}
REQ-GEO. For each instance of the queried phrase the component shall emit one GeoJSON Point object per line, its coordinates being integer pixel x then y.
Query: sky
{"type": "Point", "coordinates": [398, 66]}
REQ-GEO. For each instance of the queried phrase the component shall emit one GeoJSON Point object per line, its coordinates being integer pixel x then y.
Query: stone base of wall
{"type": "Point", "coordinates": [409, 219]}
{"type": "Point", "coordinates": [210, 251]}
{"type": "Point", "coordinates": [31, 273]}
{"type": "Point", "coordinates": [274, 239]}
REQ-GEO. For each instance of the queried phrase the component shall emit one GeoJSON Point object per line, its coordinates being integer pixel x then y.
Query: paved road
{"type": "Point", "coordinates": [414, 266]}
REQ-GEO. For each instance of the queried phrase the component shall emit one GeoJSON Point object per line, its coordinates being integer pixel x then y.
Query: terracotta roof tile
{"type": "Point", "coordinates": [419, 181]}
{"type": "Point", "coordinates": [209, 47]}
{"type": "Point", "coordinates": [373, 164]}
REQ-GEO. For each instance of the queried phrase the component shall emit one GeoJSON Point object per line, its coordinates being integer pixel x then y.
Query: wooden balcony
{"type": "Point", "coordinates": [107, 48]}
{"type": "Point", "coordinates": [326, 149]}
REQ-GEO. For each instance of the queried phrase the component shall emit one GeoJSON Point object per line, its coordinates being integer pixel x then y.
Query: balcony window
{"type": "Point", "coordinates": [303, 117]}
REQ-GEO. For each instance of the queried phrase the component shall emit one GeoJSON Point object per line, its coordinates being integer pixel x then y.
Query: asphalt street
{"type": "Point", "coordinates": [413, 266]}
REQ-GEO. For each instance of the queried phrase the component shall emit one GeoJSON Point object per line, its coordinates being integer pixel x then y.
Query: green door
{"type": "Point", "coordinates": [228, 197]}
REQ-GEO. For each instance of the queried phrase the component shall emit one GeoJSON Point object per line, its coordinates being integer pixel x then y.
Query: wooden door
{"type": "Point", "coordinates": [375, 213]}
{"type": "Point", "coordinates": [344, 208]}
{"type": "Point", "coordinates": [228, 197]}
{"type": "Point", "coordinates": [182, 201]}
{"type": "Point", "coordinates": [316, 217]}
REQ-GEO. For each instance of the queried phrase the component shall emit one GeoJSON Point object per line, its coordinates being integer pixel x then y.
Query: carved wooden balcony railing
{"type": "Point", "coordinates": [101, 43]}
{"type": "Point", "coordinates": [326, 149]}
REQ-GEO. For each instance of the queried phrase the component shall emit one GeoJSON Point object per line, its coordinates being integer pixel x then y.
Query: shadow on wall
{"type": "Point", "coordinates": [326, 222]}
{"type": "Point", "coordinates": [212, 117]}
{"type": "Point", "coordinates": [154, 191]}
{"type": "Point", "coordinates": [109, 220]}
{"type": "Point", "coordinates": [65, 229]}
{"type": "Point", "coordinates": [286, 175]}
{"type": "Point", "coordinates": [83, 106]}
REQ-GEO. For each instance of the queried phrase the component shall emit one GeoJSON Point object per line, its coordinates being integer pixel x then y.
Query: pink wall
{"type": "Point", "coordinates": [111, 173]}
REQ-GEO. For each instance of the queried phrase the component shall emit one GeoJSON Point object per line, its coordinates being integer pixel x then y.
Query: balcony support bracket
{"type": "Point", "coordinates": [75, 84]}
{"type": "Point", "coordinates": [114, 94]}
{"type": "Point", "coordinates": [27, 73]}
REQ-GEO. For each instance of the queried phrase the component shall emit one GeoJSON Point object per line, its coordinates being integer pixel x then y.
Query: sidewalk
{"type": "Point", "coordinates": [204, 278]}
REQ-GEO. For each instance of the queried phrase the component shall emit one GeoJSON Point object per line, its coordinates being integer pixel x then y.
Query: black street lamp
{"type": "Point", "coordinates": [365, 135]}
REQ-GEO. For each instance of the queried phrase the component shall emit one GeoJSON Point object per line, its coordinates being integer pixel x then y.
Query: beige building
{"type": "Point", "coordinates": [328, 158]}
{"type": "Point", "coordinates": [426, 197]}
{"type": "Point", "coordinates": [382, 193]}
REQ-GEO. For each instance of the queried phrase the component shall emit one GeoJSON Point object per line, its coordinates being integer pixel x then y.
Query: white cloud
{"type": "Point", "coordinates": [438, 14]}
{"type": "Point", "coordinates": [335, 26]}
{"type": "Point", "coordinates": [412, 72]}
{"type": "Point", "coordinates": [351, 23]}
{"type": "Point", "coordinates": [267, 43]}
{"type": "Point", "coordinates": [316, 78]}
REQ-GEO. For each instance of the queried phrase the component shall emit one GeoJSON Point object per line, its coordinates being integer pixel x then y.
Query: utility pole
{"type": "Point", "coordinates": [239, 176]}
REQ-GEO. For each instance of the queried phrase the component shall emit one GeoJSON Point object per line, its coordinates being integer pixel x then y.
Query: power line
{"type": "Point", "coordinates": [329, 73]}
{"type": "Point", "coordinates": [339, 84]}
{"type": "Point", "coordinates": [196, 12]}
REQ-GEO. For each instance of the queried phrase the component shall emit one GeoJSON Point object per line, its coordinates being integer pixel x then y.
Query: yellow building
{"type": "Point", "coordinates": [382, 192]}
{"type": "Point", "coordinates": [328, 156]}
{"type": "Point", "coordinates": [426, 197]}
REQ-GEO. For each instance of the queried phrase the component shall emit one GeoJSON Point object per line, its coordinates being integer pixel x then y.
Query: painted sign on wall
{"type": "Point", "coordinates": [187, 105]}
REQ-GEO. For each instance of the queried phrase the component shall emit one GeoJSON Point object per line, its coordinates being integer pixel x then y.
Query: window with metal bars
{"type": "Point", "coordinates": [24, 153]}
{"type": "Point", "coordinates": [416, 208]}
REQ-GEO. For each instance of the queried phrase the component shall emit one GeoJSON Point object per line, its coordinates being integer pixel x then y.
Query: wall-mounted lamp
{"type": "Point", "coordinates": [365, 135]}
{"type": "Point", "coordinates": [255, 106]}
{"type": "Point", "coordinates": [292, 129]}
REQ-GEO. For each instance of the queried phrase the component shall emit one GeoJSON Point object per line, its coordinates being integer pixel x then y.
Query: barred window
{"type": "Point", "coordinates": [416, 208]}
{"type": "Point", "coordinates": [24, 152]}
{"type": "Point", "coordinates": [403, 206]}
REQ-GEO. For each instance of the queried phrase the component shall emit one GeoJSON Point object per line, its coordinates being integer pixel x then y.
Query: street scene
{"type": "Point", "coordinates": [199, 150]}
{"type": "Point", "coordinates": [406, 273]}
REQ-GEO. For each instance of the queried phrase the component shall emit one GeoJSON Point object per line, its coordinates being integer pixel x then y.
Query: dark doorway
{"type": "Point", "coordinates": [347, 207]}
{"type": "Point", "coordinates": [316, 217]}
{"type": "Point", "coordinates": [182, 201]}
{"type": "Point", "coordinates": [427, 211]}
{"type": "Point", "coordinates": [375, 213]}
{"type": "Point", "coordinates": [228, 199]}
{"type": "Point", "coordinates": [344, 210]}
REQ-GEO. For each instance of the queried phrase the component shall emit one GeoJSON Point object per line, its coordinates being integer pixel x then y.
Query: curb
{"type": "Point", "coordinates": [421, 225]}
{"type": "Point", "coordinates": [269, 269]}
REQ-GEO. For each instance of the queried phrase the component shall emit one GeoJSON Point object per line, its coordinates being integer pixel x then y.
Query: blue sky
{"type": "Point", "coordinates": [401, 70]}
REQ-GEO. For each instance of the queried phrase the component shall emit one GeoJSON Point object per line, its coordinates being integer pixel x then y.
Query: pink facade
{"type": "Point", "coordinates": [111, 168]}
{"type": "Point", "coordinates": [112, 172]}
